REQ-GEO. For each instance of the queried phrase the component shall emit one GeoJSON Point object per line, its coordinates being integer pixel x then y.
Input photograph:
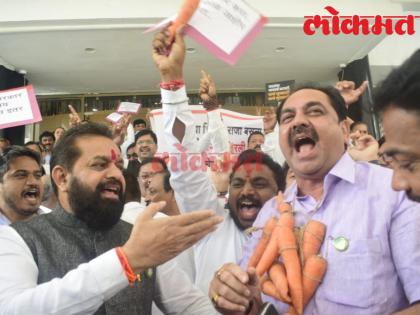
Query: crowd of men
{"type": "Point", "coordinates": [124, 231]}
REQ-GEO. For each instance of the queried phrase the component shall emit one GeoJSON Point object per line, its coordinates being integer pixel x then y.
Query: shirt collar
{"type": "Point", "coordinates": [344, 169]}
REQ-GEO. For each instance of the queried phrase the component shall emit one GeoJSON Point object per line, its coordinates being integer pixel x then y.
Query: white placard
{"type": "Point", "coordinates": [128, 107]}
{"type": "Point", "coordinates": [18, 107]}
{"type": "Point", "coordinates": [224, 22]}
{"type": "Point", "coordinates": [114, 117]}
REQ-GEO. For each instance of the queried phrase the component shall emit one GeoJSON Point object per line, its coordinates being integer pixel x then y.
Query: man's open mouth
{"type": "Point", "coordinates": [111, 190]}
{"type": "Point", "coordinates": [31, 194]}
{"type": "Point", "coordinates": [303, 143]}
{"type": "Point", "coordinates": [248, 210]}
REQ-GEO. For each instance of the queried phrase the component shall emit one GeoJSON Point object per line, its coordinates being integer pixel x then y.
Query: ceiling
{"type": "Point", "coordinates": [53, 54]}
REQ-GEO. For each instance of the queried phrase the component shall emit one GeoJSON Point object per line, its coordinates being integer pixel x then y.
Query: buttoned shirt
{"type": "Point", "coordinates": [379, 272]}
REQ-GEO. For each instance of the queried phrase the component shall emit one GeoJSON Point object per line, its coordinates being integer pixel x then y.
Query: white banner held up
{"type": "Point", "coordinates": [18, 107]}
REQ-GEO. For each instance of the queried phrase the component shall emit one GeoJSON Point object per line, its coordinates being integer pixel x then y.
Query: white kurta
{"type": "Point", "coordinates": [194, 190]}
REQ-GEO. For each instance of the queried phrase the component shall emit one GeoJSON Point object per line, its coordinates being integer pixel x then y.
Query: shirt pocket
{"type": "Point", "coordinates": [351, 279]}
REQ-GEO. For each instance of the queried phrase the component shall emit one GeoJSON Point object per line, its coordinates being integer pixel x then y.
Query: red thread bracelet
{"type": "Point", "coordinates": [129, 273]}
{"type": "Point", "coordinates": [172, 85]}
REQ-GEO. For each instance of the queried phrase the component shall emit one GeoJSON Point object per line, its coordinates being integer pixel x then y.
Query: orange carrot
{"type": "Point", "coordinates": [313, 273]}
{"type": "Point", "coordinates": [281, 205]}
{"type": "Point", "coordinates": [269, 289]}
{"type": "Point", "coordinates": [313, 236]}
{"type": "Point", "coordinates": [286, 219]}
{"type": "Point", "coordinates": [270, 254]}
{"type": "Point", "coordinates": [184, 15]}
{"type": "Point", "coordinates": [277, 274]}
{"type": "Point", "coordinates": [262, 244]}
{"type": "Point", "coordinates": [288, 251]}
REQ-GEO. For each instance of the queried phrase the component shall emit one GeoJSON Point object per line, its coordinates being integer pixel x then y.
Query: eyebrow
{"type": "Point", "coordinates": [107, 159]}
{"type": "Point", "coordinates": [393, 152]}
{"type": "Point", "coordinates": [306, 106]}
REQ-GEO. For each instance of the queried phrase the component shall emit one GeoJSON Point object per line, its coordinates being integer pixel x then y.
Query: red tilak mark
{"type": "Point", "coordinates": [113, 155]}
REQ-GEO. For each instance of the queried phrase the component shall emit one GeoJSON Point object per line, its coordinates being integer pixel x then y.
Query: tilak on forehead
{"type": "Point", "coordinates": [114, 155]}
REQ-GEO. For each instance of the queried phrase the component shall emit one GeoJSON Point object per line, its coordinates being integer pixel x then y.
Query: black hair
{"type": "Point", "coordinates": [145, 132]}
{"type": "Point", "coordinates": [132, 188]}
{"type": "Point", "coordinates": [252, 156]}
{"type": "Point", "coordinates": [130, 147]}
{"type": "Point", "coordinates": [12, 153]}
{"type": "Point", "coordinates": [154, 160]}
{"type": "Point", "coordinates": [65, 152]}
{"type": "Point", "coordinates": [336, 100]}
{"type": "Point", "coordinates": [139, 121]}
{"type": "Point", "coordinates": [166, 180]}
{"type": "Point", "coordinates": [253, 134]}
{"type": "Point", "coordinates": [355, 124]}
{"type": "Point", "coordinates": [33, 143]}
{"type": "Point", "coordinates": [46, 134]}
{"type": "Point", "coordinates": [401, 88]}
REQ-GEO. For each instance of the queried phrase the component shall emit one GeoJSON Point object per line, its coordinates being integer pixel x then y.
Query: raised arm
{"type": "Point", "coordinates": [192, 186]}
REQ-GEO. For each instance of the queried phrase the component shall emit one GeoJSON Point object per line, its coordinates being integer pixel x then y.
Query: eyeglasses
{"type": "Point", "coordinates": [147, 142]}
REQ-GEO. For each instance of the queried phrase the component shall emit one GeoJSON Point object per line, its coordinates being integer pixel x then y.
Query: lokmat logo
{"type": "Point", "coordinates": [365, 24]}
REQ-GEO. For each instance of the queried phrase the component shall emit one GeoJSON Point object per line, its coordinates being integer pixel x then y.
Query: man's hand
{"type": "Point", "coordinates": [269, 119]}
{"type": "Point", "coordinates": [169, 57]}
{"type": "Point", "coordinates": [119, 130]}
{"type": "Point", "coordinates": [207, 92]}
{"type": "Point", "coordinates": [155, 241]}
{"type": "Point", "coordinates": [349, 92]}
{"type": "Point", "coordinates": [366, 149]}
{"type": "Point", "coordinates": [232, 290]}
{"type": "Point", "coordinates": [74, 118]}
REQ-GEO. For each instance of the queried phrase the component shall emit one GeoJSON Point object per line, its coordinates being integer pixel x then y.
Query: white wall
{"type": "Point", "coordinates": [48, 10]}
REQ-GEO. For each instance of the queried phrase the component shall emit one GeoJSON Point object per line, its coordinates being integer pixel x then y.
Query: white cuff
{"type": "Point", "coordinates": [174, 97]}
{"type": "Point", "coordinates": [109, 273]}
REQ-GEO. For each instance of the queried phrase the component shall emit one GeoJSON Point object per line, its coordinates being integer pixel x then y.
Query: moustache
{"type": "Point", "coordinates": [308, 131]}
{"type": "Point", "coordinates": [249, 198]}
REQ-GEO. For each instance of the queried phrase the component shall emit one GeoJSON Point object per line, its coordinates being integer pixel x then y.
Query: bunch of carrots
{"type": "Point", "coordinates": [295, 278]}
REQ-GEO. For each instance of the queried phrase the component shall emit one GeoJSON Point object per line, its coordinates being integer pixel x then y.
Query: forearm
{"type": "Point", "coordinates": [176, 294]}
{"type": "Point", "coordinates": [82, 290]}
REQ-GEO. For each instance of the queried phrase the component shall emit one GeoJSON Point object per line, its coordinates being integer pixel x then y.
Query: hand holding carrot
{"type": "Point", "coordinates": [169, 56]}
{"type": "Point", "coordinates": [184, 15]}
{"type": "Point", "coordinates": [232, 289]}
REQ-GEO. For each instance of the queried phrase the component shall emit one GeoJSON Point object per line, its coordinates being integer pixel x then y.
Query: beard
{"type": "Point", "coordinates": [88, 206]}
{"type": "Point", "coordinates": [15, 208]}
{"type": "Point", "coordinates": [412, 196]}
{"type": "Point", "coordinates": [235, 218]}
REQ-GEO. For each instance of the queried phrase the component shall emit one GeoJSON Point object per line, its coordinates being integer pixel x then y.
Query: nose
{"type": "Point", "coordinates": [33, 180]}
{"type": "Point", "coordinates": [247, 189]}
{"type": "Point", "coordinates": [399, 182]}
{"type": "Point", "coordinates": [115, 172]}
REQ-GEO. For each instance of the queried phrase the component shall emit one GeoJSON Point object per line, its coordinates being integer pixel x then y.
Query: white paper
{"type": "Point", "coordinates": [114, 117]}
{"type": "Point", "coordinates": [128, 107]}
{"type": "Point", "coordinates": [224, 22]}
{"type": "Point", "coordinates": [15, 106]}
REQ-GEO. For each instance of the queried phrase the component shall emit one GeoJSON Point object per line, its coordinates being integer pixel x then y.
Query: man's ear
{"type": "Point", "coordinates": [60, 176]}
